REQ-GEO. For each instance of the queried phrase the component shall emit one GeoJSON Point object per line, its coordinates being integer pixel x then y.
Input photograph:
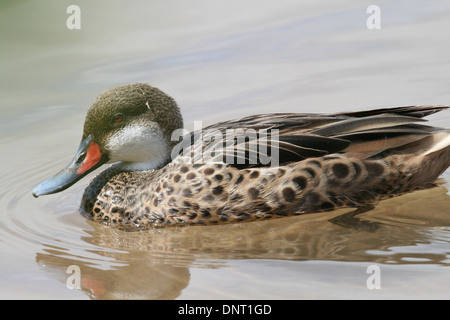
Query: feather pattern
{"type": "Point", "coordinates": [300, 136]}
{"type": "Point", "coordinates": [257, 167]}
{"type": "Point", "coordinates": [325, 162]}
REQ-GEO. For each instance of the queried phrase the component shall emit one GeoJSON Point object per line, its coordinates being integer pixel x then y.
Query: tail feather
{"type": "Point", "coordinates": [411, 111]}
{"type": "Point", "coordinates": [429, 166]}
{"type": "Point", "coordinates": [441, 140]}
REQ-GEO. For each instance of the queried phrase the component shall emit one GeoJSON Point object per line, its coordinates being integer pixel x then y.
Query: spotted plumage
{"type": "Point", "coordinates": [324, 162]}
{"type": "Point", "coordinates": [170, 197]}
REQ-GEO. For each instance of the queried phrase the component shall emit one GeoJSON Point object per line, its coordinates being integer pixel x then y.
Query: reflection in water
{"type": "Point", "coordinates": [140, 279]}
{"type": "Point", "coordinates": [155, 264]}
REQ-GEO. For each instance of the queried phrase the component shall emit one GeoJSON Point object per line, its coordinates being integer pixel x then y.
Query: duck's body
{"type": "Point", "coordinates": [322, 162]}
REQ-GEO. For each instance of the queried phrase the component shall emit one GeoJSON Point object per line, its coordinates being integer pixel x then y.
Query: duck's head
{"type": "Point", "coordinates": [132, 124]}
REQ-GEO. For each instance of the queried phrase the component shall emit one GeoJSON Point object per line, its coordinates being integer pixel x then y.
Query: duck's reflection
{"type": "Point", "coordinates": [155, 264]}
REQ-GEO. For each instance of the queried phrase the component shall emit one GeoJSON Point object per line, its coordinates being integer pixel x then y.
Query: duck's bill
{"type": "Point", "coordinates": [88, 158]}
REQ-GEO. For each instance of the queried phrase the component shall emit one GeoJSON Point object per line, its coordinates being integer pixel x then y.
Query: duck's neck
{"type": "Point", "coordinates": [139, 147]}
{"type": "Point", "coordinates": [152, 164]}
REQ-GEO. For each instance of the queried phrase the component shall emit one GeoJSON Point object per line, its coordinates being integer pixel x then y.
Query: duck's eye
{"type": "Point", "coordinates": [118, 118]}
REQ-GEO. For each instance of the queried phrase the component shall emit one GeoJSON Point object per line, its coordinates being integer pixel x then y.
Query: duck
{"type": "Point", "coordinates": [254, 168]}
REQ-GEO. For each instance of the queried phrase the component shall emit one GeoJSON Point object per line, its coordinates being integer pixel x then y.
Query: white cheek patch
{"type": "Point", "coordinates": [140, 147]}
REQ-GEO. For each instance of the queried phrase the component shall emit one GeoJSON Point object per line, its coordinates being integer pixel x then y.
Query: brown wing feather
{"type": "Point", "coordinates": [299, 136]}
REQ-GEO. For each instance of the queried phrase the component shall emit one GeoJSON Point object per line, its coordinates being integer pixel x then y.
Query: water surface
{"type": "Point", "coordinates": [220, 60]}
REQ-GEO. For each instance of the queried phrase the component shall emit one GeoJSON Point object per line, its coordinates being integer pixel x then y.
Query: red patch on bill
{"type": "Point", "coordinates": [93, 156]}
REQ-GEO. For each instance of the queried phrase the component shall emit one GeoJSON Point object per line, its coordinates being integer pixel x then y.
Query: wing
{"type": "Point", "coordinates": [287, 137]}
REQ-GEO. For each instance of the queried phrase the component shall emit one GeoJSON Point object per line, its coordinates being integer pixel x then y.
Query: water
{"type": "Point", "coordinates": [220, 60]}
